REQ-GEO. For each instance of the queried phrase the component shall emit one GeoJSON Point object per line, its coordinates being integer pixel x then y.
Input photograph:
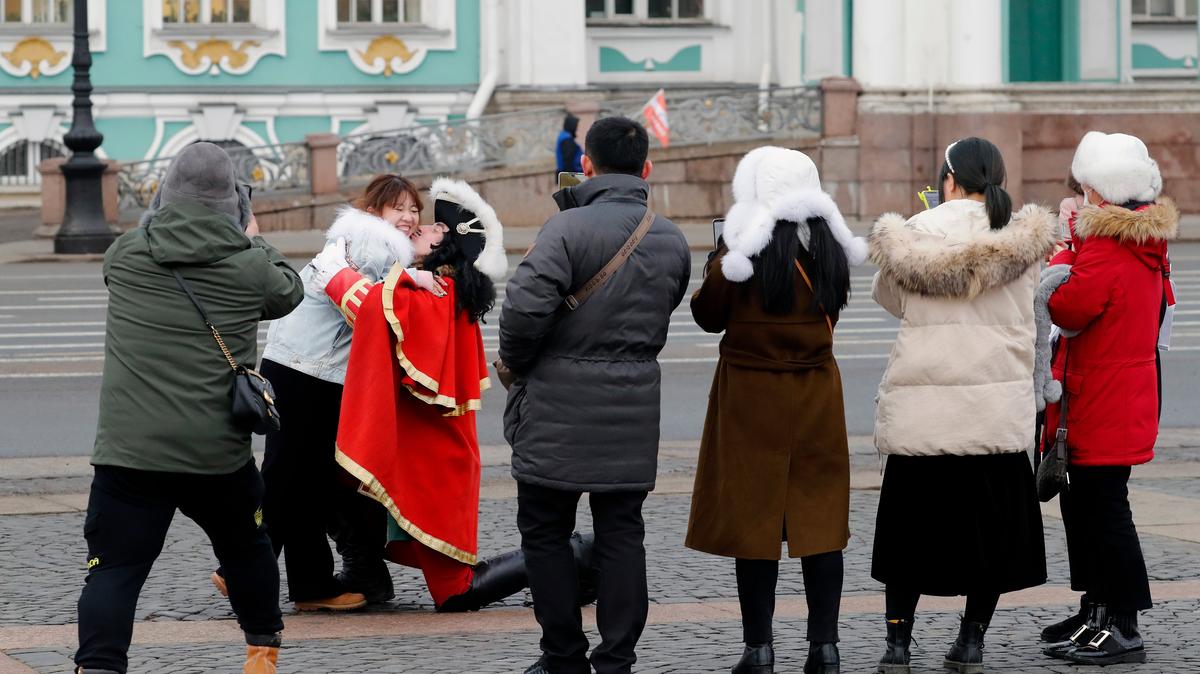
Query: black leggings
{"type": "Point", "coordinates": [756, 579]}
{"type": "Point", "coordinates": [902, 605]}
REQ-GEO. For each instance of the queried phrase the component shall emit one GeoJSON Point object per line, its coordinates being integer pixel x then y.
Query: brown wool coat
{"type": "Point", "coordinates": [774, 451]}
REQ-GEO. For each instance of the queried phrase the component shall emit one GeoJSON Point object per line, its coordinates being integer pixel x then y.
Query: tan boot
{"type": "Point", "coordinates": [260, 659]}
{"type": "Point", "coordinates": [347, 601]}
{"type": "Point", "coordinates": [219, 583]}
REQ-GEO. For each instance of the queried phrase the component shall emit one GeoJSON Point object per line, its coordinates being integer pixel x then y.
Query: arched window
{"type": "Point", "coordinates": [19, 161]}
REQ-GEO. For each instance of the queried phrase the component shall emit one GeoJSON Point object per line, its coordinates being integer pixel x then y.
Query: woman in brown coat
{"type": "Point", "coordinates": [774, 463]}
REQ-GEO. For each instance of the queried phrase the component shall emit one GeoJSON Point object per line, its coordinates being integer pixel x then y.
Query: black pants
{"type": "Point", "coordinates": [1102, 542]}
{"type": "Point", "coordinates": [756, 580]}
{"type": "Point", "coordinates": [902, 604]}
{"type": "Point", "coordinates": [129, 512]}
{"type": "Point", "coordinates": [546, 518]}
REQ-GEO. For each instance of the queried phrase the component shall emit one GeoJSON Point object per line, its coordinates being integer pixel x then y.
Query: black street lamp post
{"type": "Point", "coordinates": [84, 229]}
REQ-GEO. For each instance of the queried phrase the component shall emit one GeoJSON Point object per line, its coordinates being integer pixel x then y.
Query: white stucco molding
{"type": "Point", "coordinates": [389, 48]}
{"type": "Point", "coordinates": [212, 48]}
{"type": "Point", "coordinates": [42, 50]}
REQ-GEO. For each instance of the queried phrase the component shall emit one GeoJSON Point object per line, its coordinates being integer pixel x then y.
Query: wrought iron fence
{"type": "Point", "coordinates": [267, 167]}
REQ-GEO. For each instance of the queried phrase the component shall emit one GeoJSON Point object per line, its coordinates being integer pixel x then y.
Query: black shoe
{"type": "Point", "coordinates": [1062, 630]}
{"type": "Point", "coordinates": [81, 670]}
{"type": "Point", "coordinates": [1097, 617]}
{"type": "Point", "coordinates": [377, 588]}
{"type": "Point", "coordinates": [966, 655]}
{"type": "Point", "coordinates": [758, 659]}
{"type": "Point", "coordinates": [896, 658]}
{"type": "Point", "coordinates": [582, 546]}
{"type": "Point", "coordinates": [493, 579]}
{"type": "Point", "coordinates": [360, 546]}
{"type": "Point", "coordinates": [823, 659]}
{"type": "Point", "coordinates": [1109, 647]}
{"type": "Point", "coordinates": [538, 667]}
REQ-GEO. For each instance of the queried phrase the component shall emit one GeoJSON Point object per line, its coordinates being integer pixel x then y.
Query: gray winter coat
{"type": "Point", "coordinates": [583, 414]}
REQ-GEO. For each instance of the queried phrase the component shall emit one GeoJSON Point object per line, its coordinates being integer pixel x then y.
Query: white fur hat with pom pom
{"type": "Point", "coordinates": [1118, 166]}
{"type": "Point", "coordinates": [772, 184]}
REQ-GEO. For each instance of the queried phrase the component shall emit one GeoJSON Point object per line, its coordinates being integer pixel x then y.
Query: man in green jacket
{"type": "Point", "coordinates": [166, 438]}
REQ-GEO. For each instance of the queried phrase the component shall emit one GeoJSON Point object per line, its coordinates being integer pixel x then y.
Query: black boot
{"type": "Point", "coordinates": [582, 546]}
{"type": "Point", "coordinates": [1062, 630]}
{"type": "Point", "coordinates": [81, 670]}
{"type": "Point", "coordinates": [897, 656]}
{"type": "Point", "coordinates": [757, 659]}
{"type": "Point", "coordinates": [359, 530]}
{"type": "Point", "coordinates": [1097, 618]}
{"type": "Point", "coordinates": [823, 659]}
{"type": "Point", "coordinates": [1119, 642]}
{"type": "Point", "coordinates": [493, 579]}
{"type": "Point", "coordinates": [966, 655]}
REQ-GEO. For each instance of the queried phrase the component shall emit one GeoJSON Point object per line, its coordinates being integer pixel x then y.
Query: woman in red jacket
{"type": "Point", "coordinates": [1111, 307]}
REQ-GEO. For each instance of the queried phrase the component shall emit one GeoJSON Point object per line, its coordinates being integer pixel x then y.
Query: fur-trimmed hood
{"type": "Point", "coordinates": [374, 244]}
{"type": "Point", "coordinates": [950, 251]}
{"type": "Point", "coordinates": [1159, 222]}
{"type": "Point", "coordinates": [773, 184]}
{"type": "Point", "coordinates": [492, 261]}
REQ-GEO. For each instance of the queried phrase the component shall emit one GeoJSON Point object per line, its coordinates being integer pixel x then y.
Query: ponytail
{"type": "Point", "coordinates": [999, 205]}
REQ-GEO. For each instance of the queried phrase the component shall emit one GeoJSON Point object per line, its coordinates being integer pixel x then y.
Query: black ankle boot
{"type": "Point", "coordinates": [1063, 629]}
{"type": "Point", "coordinates": [493, 579]}
{"type": "Point", "coordinates": [1097, 618]}
{"type": "Point", "coordinates": [966, 655]}
{"type": "Point", "coordinates": [823, 659]}
{"type": "Point", "coordinates": [360, 537]}
{"type": "Point", "coordinates": [897, 656]}
{"type": "Point", "coordinates": [582, 546]}
{"type": "Point", "coordinates": [757, 659]}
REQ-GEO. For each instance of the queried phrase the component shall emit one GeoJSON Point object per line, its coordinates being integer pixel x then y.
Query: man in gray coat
{"type": "Point", "coordinates": [583, 413]}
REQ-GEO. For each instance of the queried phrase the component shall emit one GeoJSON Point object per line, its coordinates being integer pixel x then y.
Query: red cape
{"type": "Point", "coordinates": [407, 430]}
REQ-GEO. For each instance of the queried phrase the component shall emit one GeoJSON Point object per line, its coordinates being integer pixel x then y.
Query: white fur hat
{"type": "Point", "coordinates": [771, 184]}
{"type": "Point", "coordinates": [1118, 166]}
{"type": "Point", "coordinates": [492, 261]}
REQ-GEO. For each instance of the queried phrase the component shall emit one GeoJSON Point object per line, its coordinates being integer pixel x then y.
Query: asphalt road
{"type": "Point", "coordinates": [52, 336]}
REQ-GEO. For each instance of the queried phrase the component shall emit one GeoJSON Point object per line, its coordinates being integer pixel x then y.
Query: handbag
{"type": "Point", "coordinates": [1052, 476]}
{"type": "Point", "coordinates": [253, 396]}
{"type": "Point", "coordinates": [577, 298]}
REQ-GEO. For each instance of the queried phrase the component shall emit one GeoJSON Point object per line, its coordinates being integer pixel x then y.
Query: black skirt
{"type": "Point", "coordinates": [956, 525]}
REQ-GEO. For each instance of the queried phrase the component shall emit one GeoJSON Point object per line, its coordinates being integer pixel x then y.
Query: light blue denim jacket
{"type": "Point", "coordinates": [315, 339]}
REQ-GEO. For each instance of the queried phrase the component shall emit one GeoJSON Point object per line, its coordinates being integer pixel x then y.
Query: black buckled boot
{"type": "Point", "coordinates": [1063, 629]}
{"type": "Point", "coordinates": [1097, 618]}
{"type": "Point", "coordinates": [966, 655]}
{"type": "Point", "coordinates": [823, 659]}
{"type": "Point", "coordinates": [493, 579]}
{"type": "Point", "coordinates": [756, 659]}
{"type": "Point", "coordinates": [896, 658]}
{"type": "Point", "coordinates": [1118, 642]}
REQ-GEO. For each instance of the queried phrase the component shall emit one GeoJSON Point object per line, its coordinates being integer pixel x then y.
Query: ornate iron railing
{"type": "Point", "coordinates": [267, 167]}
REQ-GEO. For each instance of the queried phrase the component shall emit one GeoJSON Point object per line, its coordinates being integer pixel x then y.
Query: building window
{"type": "Point", "coordinates": [1165, 10]}
{"type": "Point", "coordinates": [352, 12]}
{"type": "Point", "coordinates": [206, 11]}
{"type": "Point", "coordinates": [36, 11]}
{"type": "Point", "coordinates": [19, 161]}
{"type": "Point", "coordinates": [646, 10]}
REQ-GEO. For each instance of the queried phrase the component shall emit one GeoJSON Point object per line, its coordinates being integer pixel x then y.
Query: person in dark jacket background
{"type": "Point", "coordinates": [583, 413]}
{"type": "Point", "coordinates": [166, 439]}
{"type": "Point", "coordinates": [567, 152]}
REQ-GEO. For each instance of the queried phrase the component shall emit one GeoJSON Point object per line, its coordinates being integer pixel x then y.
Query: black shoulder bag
{"type": "Point", "coordinates": [253, 396]}
{"type": "Point", "coordinates": [1052, 475]}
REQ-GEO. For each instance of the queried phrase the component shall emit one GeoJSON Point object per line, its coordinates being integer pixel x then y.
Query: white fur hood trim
{"type": "Point", "coordinates": [492, 261]}
{"type": "Point", "coordinates": [749, 226]}
{"type": "Point", "coordinates": [371, 240]}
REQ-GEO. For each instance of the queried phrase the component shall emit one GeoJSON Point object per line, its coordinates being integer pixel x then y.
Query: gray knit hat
{"type": "Point", "coordinates": [203, 172]}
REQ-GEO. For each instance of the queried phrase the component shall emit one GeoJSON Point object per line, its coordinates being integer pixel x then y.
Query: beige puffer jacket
{"type": "Point", "coordinates": [960, 377]}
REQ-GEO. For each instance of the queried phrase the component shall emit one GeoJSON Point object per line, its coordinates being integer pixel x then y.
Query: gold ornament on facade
{"type": "Point", "coordinates": [258, 174]}
{"type": "Point", "coordinates": [213, 52]}
{"type": "Point", "coordinates": [34, 51]}
{"type": "Point", "coordinates": [387, 47]}
{"type": "Point", "coordinates": [391, 157]}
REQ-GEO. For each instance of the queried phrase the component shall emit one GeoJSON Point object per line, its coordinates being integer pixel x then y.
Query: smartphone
{"type": "Point", "coordinates": [569, 179]}
{"type": "Point", "coordinates": [718, 231]}
{"type": "Point", "coordinates": [929, 197]}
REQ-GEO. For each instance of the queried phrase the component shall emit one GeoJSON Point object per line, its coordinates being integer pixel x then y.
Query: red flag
{"type": "Point", "coordinates": [655, 112]}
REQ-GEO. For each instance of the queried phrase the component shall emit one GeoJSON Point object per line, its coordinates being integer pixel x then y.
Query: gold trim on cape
{"type": "Point", "coordinates": [373, 488]}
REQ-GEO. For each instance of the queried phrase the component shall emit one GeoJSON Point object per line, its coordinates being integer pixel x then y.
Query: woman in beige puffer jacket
{"type": "Point", "coordinates": [958, 511]}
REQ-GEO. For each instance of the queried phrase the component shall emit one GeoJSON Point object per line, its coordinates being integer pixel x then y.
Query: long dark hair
{"type": "Point", "coordinates": [475, 294]}
{"type": "Point", "coordinates": [827, 267]}
{"type": "Point", "coordinates": [978, 168]}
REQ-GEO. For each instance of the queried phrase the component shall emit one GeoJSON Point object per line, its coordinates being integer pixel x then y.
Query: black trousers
{"type": "Point", "coordinates": [1102, 542]}
{"type": "Point", "coordinates": [546, 518]}
{"type": "Point", "coordinates": [129, 512]}
{"type": "Point", "coordinates": [756, 581]}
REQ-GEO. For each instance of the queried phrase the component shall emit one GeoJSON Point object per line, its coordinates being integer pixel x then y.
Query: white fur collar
{"type": "Point", "coordinates": [373, 243]}
{"type": "Point", "coordinates": [492, 261]}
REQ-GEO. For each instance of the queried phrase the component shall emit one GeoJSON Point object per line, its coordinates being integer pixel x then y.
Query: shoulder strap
{"type": "Point", "coordinates": [580, 296]}
{"type": "Point", "coordinates": [204, 315]}
{"type": "Point", "coordinates": [808, 282]}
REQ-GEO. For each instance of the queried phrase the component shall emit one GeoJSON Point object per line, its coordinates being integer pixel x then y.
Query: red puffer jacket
{"type": "Point", "coordinates": [1113, 297]}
